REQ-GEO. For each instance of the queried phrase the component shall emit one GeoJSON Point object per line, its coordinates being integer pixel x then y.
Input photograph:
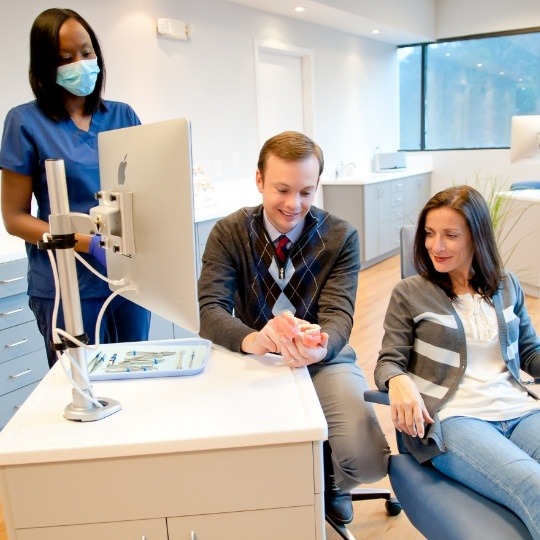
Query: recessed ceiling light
{"type": "Point", "coordinates": [478, 65]}
{"type": "Point", "coordinates": [375, 31]}
{"type": "Point", "coordinates": [299, 9]}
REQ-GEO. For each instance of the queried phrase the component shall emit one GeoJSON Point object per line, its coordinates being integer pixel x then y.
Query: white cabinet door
{"type": "Point", "coordinates": [297, 523]}
{"type": "Point", "coordinates": [148, 529]}
{"type": "Point", "coordinates": [417, 193]}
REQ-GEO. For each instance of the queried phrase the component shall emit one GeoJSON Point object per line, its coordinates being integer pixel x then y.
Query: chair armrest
{"type": "Point", "coordinates": [377, 396]}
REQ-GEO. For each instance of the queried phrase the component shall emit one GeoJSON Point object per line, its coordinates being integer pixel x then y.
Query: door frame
{"type": "Point", "coordinates": [306, 58]}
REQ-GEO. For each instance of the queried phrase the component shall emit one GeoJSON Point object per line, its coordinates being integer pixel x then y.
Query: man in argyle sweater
{"type": "Point", "coordinates": [245, 283]}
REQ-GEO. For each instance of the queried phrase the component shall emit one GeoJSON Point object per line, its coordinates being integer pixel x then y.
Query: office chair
{"type": "Point", "coordinates": [525, 184]}
{"type": "Point", "coordinates": [437, 506]}
{"type": "Point", "coordinates": [392, 505]}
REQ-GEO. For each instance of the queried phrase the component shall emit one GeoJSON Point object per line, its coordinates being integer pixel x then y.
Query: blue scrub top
{"type": "Point", "coordinates": [29, 139]}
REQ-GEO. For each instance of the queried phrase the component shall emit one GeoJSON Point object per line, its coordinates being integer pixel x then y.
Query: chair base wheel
{"type": "Point", "coordinates": [393, 508]}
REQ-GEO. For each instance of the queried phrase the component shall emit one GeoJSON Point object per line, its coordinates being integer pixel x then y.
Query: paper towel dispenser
{"type": "Point", "coordinates": [389, 162]}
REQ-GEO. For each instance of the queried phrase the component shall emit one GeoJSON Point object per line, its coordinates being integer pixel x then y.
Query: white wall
{"type": "Point", "coordinates": [211, 77]}
{"type": "Point", "coordinates": [466, 17]}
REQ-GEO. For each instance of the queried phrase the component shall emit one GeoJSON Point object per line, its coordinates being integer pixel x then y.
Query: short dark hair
{"type": "Point", "coordinates": [44, 60]}
{"type": "Point", "coordinates": [486, 263]}
{"type": "Point", "coordinates": [290, 146]}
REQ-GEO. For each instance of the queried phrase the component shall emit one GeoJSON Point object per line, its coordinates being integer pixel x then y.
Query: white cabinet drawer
{"type": "Point", "coordinates": [18, 340]}
{"type": "Point", "coordinates": [297, 523]}
{"type": "Point", "coordinates": [148, 529]}
{"type": "Point", "coordinates": [14, 310]}
{"type": "Point", "coordinates": [10, 403]}
{"type": "Point", "coordinates": [22, 371]}
{"type": "Point", "coordinates": [184, 484]}
{"type": "Point", "coordinates": [13, 277]}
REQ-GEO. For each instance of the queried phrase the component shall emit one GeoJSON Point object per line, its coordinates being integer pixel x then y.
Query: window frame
{"type": "Point", "coordinates": [423, 83]}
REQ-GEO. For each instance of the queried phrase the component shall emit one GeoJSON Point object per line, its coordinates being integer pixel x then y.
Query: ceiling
{"type": "Point", "coordinates": [398, 22]}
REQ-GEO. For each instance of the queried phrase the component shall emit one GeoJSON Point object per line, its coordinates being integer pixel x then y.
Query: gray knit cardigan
{"type": "Point", "coordinates": [424, 338]}
{"type": "Point", "coordinates": [241, 276]}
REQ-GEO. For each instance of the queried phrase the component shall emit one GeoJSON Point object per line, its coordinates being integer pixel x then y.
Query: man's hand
{"type": "Point", "coordinates": [272, 339]}
{"type": "Point", "coordinates": [296, 354]}
{"type": "Point", "coordinates": [408, 410]}
{"type": "Point", "coordinates": [262, 342]}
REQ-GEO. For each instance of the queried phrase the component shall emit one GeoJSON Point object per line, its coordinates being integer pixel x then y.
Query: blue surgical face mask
{"type": "Point", "coordinates": [78, 78]}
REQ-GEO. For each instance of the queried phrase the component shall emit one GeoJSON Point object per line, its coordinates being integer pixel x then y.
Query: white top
{"type": "Point", "coordinates": [487, 391]}
{"type": "Point", "coordinates": [237, 401]}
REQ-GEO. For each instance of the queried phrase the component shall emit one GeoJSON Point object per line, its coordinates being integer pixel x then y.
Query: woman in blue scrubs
{"type": "Point", "coordinates": [67, 75]}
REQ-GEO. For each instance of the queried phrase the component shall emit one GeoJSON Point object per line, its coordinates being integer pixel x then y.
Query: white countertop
{"type": "Point", "coordinates": [11, 247]}
{"type": "Point", "coordinates": [373, 177]}
{"type": "Point", "coordinates": [529, 195]}
{"type": "Point", "coordinates": [237, 401]}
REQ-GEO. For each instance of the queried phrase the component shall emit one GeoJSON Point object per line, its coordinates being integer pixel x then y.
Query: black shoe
{"type": "Point", "coordinates": [337, 503]}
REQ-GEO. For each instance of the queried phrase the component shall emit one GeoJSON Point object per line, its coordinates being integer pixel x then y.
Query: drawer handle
{"type": "Point", "coordinates": [16, 344]}
{"type": "Point", "coordinates": [12, 280]}
{"type": "Point", "coordinates": [12, 312]}
{"type": "Point", "coordinates": [25, 372]}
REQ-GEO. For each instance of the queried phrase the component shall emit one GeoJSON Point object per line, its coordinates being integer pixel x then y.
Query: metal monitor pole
{"type": "Point", "coordinates": [82, 408]}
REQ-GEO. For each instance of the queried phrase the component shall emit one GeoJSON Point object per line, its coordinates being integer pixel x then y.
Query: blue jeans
{"type": "Point", "coordinates": [500, 460]}
{"type": "Point", "coordinates": [122, 321]}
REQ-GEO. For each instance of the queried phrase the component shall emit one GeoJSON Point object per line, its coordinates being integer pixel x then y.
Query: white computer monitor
{"type": "Point", "coordinates": [153, 163]}
{"type": "Point", "coordinates": [525, 139]}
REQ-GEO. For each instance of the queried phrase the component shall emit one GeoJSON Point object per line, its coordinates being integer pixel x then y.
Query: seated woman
{"type": "Point", "coordinates": [456, 337]}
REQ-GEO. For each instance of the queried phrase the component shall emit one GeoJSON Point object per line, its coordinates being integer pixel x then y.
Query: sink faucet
{"type": "Point", "coordinates": [340, 167]}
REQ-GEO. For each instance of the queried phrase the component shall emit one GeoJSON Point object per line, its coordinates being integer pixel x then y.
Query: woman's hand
{"type": "Point", "coordinates": [409, 413]}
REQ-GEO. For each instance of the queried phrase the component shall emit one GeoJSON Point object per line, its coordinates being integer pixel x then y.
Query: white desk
{"type": "Point", "coordinates": [235, 452]}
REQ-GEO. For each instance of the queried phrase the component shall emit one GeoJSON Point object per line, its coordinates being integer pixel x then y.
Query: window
{"type": "Point", "coordinates": [462, 93]}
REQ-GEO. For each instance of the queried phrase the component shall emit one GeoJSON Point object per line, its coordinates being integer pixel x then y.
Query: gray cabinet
{"type": "Point", "coordinates": [378, 210]}
{"type": "Point", "coordinates": [202, 230]}
{"type": "Point", "coordinates": [23, 361]}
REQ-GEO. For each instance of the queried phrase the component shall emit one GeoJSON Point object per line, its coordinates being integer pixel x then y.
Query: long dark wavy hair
{"type": "Point", "coordinates": [486, 263]}
{"type": "Point", "coordinates": [44, 60]}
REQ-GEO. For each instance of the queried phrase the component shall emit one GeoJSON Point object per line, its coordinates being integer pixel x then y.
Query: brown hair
{"type": "Point", "coordinates": [290, 146]}
{"type": "Point", "coordinates": [486, 263]}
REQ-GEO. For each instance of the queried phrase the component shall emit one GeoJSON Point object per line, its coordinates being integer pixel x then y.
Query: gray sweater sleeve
{"type": "Point", "coordinates": [217, 288]}
{"type": "Point", "coordinates": [338, 296]}
{"type": "Point", "coordinates": [398, 337]}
